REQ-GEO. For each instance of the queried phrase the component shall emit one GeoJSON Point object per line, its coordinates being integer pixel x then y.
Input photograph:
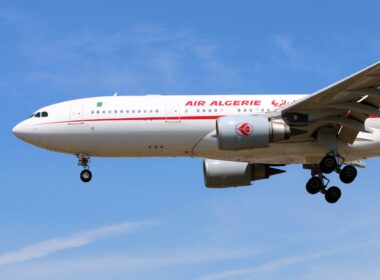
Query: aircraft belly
{"type": "Point", "coordinates": [135, 139]}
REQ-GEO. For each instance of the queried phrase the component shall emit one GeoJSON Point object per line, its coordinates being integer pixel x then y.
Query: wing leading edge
{"type": "Point", "coordinates": [344, 105]}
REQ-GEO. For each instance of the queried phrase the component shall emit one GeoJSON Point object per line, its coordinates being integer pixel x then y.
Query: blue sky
{"type": "Point", "coordinates": [153, 218]}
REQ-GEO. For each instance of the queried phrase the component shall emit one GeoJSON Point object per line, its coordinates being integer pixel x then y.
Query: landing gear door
{"type": "Point", "coordinates": [76, 114]}
{"type": "Point", "coordinates": [172, 110]}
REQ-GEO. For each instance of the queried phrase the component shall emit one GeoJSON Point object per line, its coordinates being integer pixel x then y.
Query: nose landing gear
{"type": "Point", "coordinates": [85, 175]}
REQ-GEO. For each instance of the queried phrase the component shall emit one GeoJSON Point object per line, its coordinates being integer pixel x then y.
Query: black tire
{"type": "Point", "coordinates": [348, 174]}
{"type": "Point", "coordinates": [86, 176]}
{"type": "Point", "coordinates": [314, 185]}
{"type": "Point", "coordinates": [333, 194]}
{"type": "Point", "coordinates": [328, 164]}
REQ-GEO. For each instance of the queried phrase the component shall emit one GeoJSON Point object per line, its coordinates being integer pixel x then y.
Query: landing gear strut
{"type": "Point", "coordinates": [319, 183]}
{"type": "Point", "coordinates": [85, 175]}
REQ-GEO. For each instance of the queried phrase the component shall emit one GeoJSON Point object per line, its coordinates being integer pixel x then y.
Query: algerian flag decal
{"type": "Point", "coordinates": [99, 104]}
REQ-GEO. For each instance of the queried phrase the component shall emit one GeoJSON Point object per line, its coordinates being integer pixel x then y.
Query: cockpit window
{"type": "Point", "coordinates": [39, 115]}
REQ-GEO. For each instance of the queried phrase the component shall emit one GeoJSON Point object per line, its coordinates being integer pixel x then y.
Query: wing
{"type": "Point", "coordinates": [344, 105]}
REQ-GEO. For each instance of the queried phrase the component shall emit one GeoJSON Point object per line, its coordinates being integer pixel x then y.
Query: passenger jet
{"type": "Point", "coordinates": [242, 138]}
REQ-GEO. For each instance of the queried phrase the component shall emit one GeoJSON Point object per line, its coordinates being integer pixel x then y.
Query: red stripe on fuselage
{"type": "Point", "coordinates": [141, 119]}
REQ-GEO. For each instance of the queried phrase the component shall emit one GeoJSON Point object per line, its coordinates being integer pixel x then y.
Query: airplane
{"type": "Point", "coordinates": [242, 138]}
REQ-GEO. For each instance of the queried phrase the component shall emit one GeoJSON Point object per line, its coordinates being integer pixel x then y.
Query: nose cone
{"type": "Point", "coordinates": [19, 131]}
{"type": "Point", "coordinates": [25, 133]}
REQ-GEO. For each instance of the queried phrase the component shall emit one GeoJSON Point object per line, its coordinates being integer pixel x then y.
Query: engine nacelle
{"type": "Point", "coordinates": [249, 132]}
{"type": "Point", "coordinates": [225, 174]}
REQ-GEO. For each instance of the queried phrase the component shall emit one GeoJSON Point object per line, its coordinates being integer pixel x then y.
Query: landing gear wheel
{"type": "Point", "coordinates": [314, 185]}
{"type": "Point", "coordinates": [333, 194]}
{"type": "Point", "coordinates": [328, 164]}
{"type": "Point", "coordinates": [86, 176]}
{"type": "Point", "coordinates": [348, 174]}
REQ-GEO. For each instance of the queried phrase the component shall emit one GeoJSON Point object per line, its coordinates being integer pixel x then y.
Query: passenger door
{"type": "Point", "coordinates": [76, 114]}
{"type": "Point", "coordinates": [172, 109]}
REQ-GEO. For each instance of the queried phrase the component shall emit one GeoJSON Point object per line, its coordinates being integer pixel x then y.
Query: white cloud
{"type": "Point", "coordinates": [286, 45]}
{"type": "Point", "coordinates": [277, 265]}
{"type": "Point", "coordinates": [297, 55]}
{"type": "Point", "coordinates": [143, 57]}
{"type": "Point", "coordinates": [123, 265]}
{"type": "Point", "coordinates": [268, 267]}
{"type": "Point", "coordinates": [45, 248]}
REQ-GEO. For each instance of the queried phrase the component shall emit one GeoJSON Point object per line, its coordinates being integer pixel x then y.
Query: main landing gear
{"type": "Point", "coordinates": [85, 175]}
{"type": "Point", "coordinates": [319, 182]}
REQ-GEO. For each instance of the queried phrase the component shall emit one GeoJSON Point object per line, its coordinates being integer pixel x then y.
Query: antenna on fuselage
{"type": "Point", "coordinates": [115, 94]}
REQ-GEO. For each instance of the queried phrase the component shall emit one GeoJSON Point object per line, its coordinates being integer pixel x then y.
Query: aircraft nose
{"type": "Point", "coordinates": [25, 133]}
{"type": "Point", "coordinates": [18, 130]}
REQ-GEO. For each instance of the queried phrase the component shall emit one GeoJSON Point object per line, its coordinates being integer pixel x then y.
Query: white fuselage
{"type": "Point", "coordinates": [171, 126]}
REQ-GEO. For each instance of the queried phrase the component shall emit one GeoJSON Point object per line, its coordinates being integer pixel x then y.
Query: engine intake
{"type": "Point", "coordinates": [225, 174]}
{"type": "Point", "coordinates": [249, 132]}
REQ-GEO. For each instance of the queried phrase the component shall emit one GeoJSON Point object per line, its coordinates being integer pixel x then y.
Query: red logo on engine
{"type": "Point", "coordinates": [244, 129]}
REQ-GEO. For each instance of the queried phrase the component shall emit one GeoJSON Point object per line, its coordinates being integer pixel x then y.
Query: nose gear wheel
{"type": "Point", "coordinates": [86, 174]}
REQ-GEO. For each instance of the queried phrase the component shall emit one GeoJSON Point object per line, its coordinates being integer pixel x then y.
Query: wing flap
{"type": "Point", "coordinates": [348, 134]}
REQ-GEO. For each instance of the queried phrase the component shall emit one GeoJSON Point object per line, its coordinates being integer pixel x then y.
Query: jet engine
{"type": "Point", "coordinates": [249, 132]}
{"type": "Point", "coordinates": [225, 174]}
